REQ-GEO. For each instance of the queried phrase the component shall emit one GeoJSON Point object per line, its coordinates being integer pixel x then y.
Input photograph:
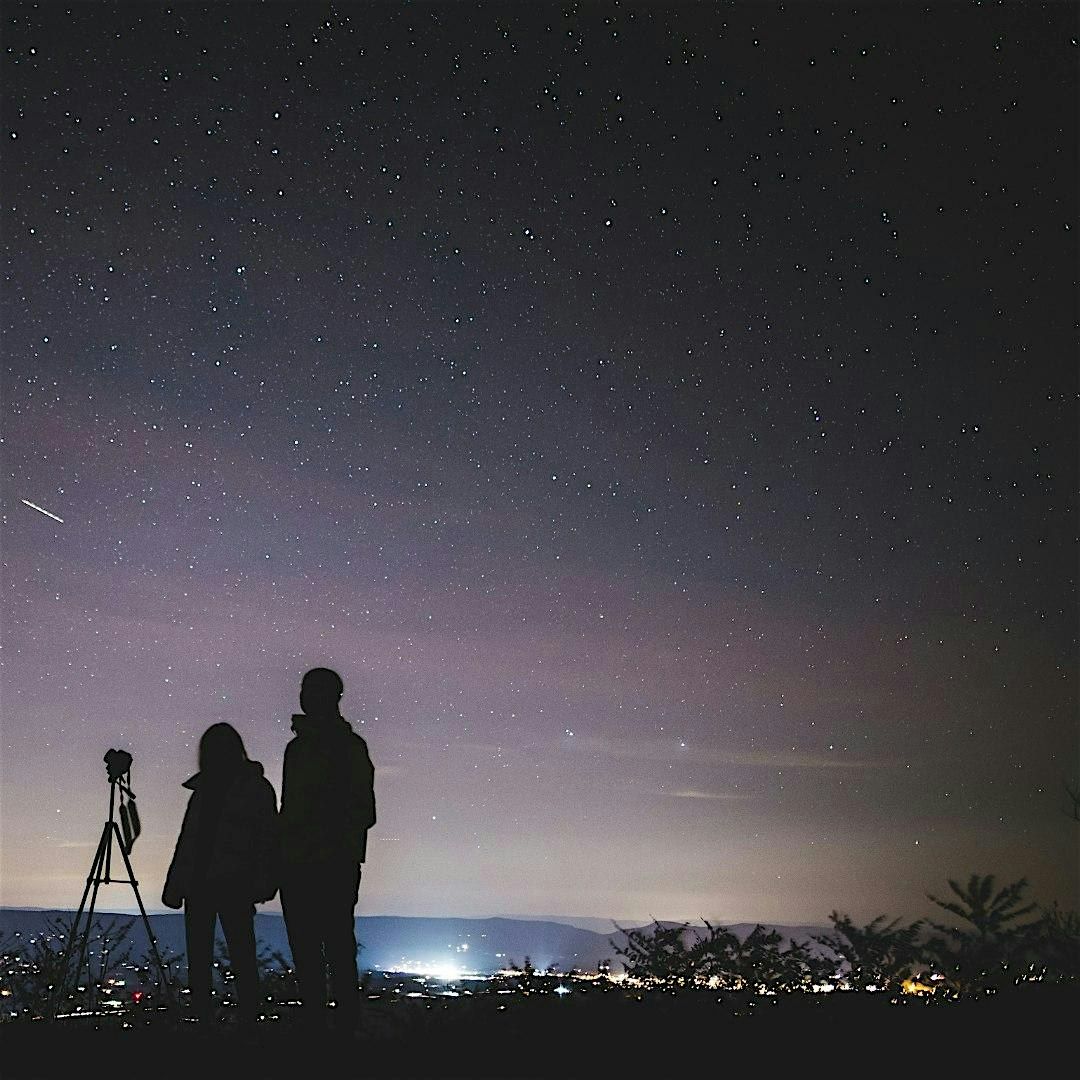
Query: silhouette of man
{"type": "Point", "coordinates": [327, 807]}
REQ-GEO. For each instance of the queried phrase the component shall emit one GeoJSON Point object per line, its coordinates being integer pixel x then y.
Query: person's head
{"type": "Point", "coordinates": [320, 692]}
{"type": "Point", "coordinates": [221, 749]}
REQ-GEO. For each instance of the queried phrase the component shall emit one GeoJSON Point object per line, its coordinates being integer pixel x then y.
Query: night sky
{"type": "Point", "coordinates": [665, 420]}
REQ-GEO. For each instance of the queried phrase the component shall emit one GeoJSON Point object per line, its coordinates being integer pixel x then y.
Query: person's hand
{"type": "Point", "coordinates": [172, 898]}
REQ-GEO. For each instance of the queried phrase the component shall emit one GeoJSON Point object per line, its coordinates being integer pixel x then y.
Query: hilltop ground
{"type": "Point", "coordinates": [660, 1035]}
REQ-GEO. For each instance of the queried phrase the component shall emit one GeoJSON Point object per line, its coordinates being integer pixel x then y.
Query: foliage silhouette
{"type": "Point", "coordinates": [758, 962]}
{"type": "Point", "coordinates": [146, 969]}
{"type": "Point", "coordinates": [32, 967]}
{"type": "Point", "coordinates": [525, 975]}
{"type": "Point", "coordinates": [662, 956]}
{"type": "Point", "coordinates": [880, 954]}
{"type": "Point", "coordinates": [1056, 945]}
{"type": "Point", "coordinates": [980, 954]}
{"type": "Point", "coordinates": [679, 956]}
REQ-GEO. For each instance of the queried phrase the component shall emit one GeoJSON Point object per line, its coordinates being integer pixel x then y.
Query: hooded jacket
{"type": "Point", "coordinates": [327, 794]}
{"type": "Point", "coordinates": [241, 855]}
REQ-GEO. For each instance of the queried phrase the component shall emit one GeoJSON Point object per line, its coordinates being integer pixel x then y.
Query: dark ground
{"type": "Point", "coordinates": [586, 1035]}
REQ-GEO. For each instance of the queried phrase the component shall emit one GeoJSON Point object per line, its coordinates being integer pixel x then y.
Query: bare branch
{"type": "Point", "coordinates": [1073, 792]}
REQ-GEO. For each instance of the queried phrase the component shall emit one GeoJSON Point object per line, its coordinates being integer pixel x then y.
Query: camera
{"type": "Point", "coordinates": [117, 765]}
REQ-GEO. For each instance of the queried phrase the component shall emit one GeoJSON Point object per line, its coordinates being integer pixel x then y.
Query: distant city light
{"type": "Point", "coordinates": [441, 970]}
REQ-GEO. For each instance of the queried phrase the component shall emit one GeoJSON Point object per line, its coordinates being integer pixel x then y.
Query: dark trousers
{"type": "Point", "coordinates": [201, 913]}
{"type": "Point", "coordinates": [318, 903]}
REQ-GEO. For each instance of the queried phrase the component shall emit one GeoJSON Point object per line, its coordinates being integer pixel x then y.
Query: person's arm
{"type": "Point", "coordinates": [288, 818]}
{"type": "Point", "coordinates": [266, 845]}
{"type": "Point", "coordinates": [175, 890]}
{"type": "Point", "coordinates": [287, 797]}
{"type": "Point", "coordinates": [367, 791]}
{"type": "Point", "coordinates": [300, 802]}
{"type": "Point", "coordinates": [295, 798]}
{"type": "Point", "coordinates": [362, 800]}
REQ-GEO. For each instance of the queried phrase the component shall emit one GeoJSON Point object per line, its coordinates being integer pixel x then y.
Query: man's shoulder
{"type": "Point", "coordinates": [297, 751]}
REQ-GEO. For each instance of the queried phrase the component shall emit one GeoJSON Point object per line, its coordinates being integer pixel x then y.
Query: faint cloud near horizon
{"type": "Point", "coordinates": [693, 793]}
{"type": "Point", "coordinates": [670, 751]}
{"type": "Point", "coordinates": [711, 755]}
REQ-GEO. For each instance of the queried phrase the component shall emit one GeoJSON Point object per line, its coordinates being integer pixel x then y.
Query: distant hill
{"type": "Point", "coordinates": [583, 922]}
{"type": "Point", "coordinates": [607, 927]}
{"type": "Point", "coordinates": [397, 943]}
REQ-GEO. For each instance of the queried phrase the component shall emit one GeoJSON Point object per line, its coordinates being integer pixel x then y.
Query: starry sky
{"type": "Point", "coordinates": [664, 419]}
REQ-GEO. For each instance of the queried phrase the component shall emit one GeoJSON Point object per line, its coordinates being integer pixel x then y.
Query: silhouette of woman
{"type": "Point", "coordinates": [225, 862]}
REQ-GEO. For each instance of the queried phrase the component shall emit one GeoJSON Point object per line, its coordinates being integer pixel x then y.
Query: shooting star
{"type": "Point", "coordinates": [41, 510]}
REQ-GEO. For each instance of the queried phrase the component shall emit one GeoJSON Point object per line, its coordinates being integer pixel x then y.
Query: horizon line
{"type": "Point", "coordinates": [631, 923]}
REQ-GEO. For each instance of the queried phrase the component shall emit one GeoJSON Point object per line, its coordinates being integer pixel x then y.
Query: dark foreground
{"type": "Point", "coordinates": [661, 1035]}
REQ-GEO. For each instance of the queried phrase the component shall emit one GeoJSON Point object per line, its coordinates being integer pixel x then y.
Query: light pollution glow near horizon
{"type": "Point", "coordinates": [665, 421]}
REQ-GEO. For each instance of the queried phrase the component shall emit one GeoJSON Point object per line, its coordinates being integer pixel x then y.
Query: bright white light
{"type": "Point", "coordinates": [561, 990]}
{"type": "Point", "coordinates": [442, 970]}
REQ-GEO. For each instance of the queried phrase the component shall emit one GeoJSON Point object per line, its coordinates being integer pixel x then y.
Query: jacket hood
{"type": "Point", "coordinates": [320, 727]}
{"type": "Point", "coordinates": [248, 771]}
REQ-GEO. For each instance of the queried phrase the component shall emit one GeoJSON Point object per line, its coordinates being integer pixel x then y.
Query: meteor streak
{"type": "Point", "coordinates": [41, 510]}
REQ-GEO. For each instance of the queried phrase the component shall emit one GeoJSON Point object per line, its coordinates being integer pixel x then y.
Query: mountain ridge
{"type": "Point", "coordinates": [446, 946]}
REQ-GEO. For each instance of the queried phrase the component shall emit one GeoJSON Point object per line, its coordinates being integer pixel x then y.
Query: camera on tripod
{"type": "Point", "coordinates": [118, 768]}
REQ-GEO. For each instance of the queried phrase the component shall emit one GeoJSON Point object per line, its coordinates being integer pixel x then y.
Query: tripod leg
{"type": "Point", "coordinates": [106, 844]}
{"type": "Point", "coordinates": [165, 986]}
{"type": "Point", "coordinates": [73, 933]}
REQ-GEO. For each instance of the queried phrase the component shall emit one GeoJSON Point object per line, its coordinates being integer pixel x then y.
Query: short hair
{"type": "Point", "coordinates": [323, 682]}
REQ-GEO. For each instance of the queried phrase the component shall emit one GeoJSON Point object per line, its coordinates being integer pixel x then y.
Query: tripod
{"type": "Point", "coordinates": [101, 873]}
